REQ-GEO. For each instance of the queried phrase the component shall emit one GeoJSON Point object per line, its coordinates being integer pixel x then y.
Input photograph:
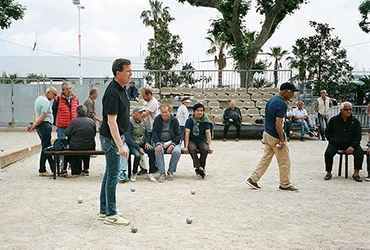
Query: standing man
{"type": "Point", "coordinates": [133, 92]}
{"type": "Point", "coordinates": [344, 133]}
{"type": "Point", "coordinates": [64, 110]}
{"type": "Point", "coordinates": [273, 138]}
{"type": "Point", "coordinates": [43, 126]}
{"type": "Point", "coordinates": [322, 106]}
{"type": "Point", "coordinates": [151, 111]}
{"type": "Point", "coordinates": [166, 138]}
{"type": "Point", "coordinates": [116, 119]}
{"type": "Point", "coordinates": [90, 104]}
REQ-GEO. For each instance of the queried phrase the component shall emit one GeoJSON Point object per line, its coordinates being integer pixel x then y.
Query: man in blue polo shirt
{"type": "Point", "coordinates": [273, 138]}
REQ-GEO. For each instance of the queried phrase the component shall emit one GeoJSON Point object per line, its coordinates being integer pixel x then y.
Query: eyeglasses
{"type": "Point", "coordinates": [347, 109]}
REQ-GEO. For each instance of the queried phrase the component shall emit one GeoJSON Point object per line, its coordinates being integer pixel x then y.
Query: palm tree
{"type": "Point", "coordinates": [277, 53]}
{"type": "Point", "coordinates": [220, 59]}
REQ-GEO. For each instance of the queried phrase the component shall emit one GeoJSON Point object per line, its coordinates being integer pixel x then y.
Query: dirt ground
{"type": "Point", "coordinates": [42, 213]}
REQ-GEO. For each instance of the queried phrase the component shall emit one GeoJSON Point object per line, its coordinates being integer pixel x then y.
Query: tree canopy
{"type": "Point", "coordinates": [364, 10]}
{"type": "Point", "coordinates": [246, 44]}
{"type": "Point", "coordinates": [10, 11]}
{"type": "Point", "coordinates": [323, 58]}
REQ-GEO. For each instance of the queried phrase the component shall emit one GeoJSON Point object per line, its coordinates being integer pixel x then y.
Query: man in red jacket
{"type": "Point", "coordinates": [64, 110]}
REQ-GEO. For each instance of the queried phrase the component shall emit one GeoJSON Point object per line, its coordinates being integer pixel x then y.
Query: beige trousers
{"type": "Point", "coordinates": [282, 157]}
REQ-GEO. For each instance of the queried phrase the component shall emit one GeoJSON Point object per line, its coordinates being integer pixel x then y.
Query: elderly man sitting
{"type": "Point", "coordinates": [166, 138]}
{"type": "Point", "coordinates": [344, 133]}
{"type": "Point", "coordinates": [300, 116]}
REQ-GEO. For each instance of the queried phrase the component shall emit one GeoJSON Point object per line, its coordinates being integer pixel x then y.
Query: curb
{"type": "Point", "coordinates": [8, 159]}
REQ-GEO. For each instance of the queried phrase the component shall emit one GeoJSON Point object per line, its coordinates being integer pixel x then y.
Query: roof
{"type": "Point", "coordinates": [63, 67]}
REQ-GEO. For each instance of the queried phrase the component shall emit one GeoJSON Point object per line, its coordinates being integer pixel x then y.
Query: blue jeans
{"type": "Point", "coordinates": [175, 157]}
{"type": "Point", "coordinates": [322, 127]}
{"type": "Point", "coordinates": [61, 135]}
{"type": "Point", "coordinates": [44, 132]}
{"type": "Point", "coordinates": [304, 127]}
{"type": "Point", "coordinates": [110, 179]}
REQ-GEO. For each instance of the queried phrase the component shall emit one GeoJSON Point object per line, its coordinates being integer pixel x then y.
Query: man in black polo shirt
{"type": "Point", "coordinates": [116, 119]}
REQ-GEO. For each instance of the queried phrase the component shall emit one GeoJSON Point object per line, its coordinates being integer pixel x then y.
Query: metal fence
{"type": "Point", "coordinates": [17, 98]}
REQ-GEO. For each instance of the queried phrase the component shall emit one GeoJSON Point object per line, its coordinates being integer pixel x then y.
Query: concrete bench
{"type": "Point", "coordinates": [55, 167]}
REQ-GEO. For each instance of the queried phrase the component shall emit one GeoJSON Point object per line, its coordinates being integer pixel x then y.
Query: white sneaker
{"type": "Point", "coordinates": [152, 178]}
{"type": "Point", "coordinates": [162, 178]}
{"type": "Point", "coordinates": [116, 220]}
{"type": "Point", "coordinates": [133, 178]}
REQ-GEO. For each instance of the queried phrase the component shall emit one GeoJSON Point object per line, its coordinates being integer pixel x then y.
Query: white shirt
{"type": "Point", "coordinates": [152, 106]}
{"type": "Point", "coordinates": [182, 114]}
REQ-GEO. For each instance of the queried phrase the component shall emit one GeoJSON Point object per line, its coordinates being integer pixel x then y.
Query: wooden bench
{"type": "Point", "coordinates": [341, 153]}
{"type": "Point", "coordinates": [55, 167]}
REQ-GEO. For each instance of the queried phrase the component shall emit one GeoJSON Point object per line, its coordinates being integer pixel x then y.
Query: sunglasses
{"type": "Point", "coordinates": [347, 109]}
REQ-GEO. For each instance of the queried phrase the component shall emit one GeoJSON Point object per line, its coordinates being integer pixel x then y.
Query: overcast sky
{"type": "Point", "coordinates": [114, 28]}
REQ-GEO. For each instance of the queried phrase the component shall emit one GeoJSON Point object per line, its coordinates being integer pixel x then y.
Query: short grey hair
{"type": "Point", "coordinates": [81, 110]}
{"type": "Point", "coordinates": [344, 103]}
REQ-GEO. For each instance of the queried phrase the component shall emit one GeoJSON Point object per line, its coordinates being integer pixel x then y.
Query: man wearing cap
{"type": "Point", "coordinates": [138, 140]}
{"type": "Point", "coordinates": [182, 115]}
{"type": "Point", "coordinates": [274, 141]}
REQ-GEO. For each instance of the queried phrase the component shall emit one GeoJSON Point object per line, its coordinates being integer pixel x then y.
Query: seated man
{"type": "Point", "coordinates": [344, 133]}
{"type": "Point", "coordinates": [166, 138]}
{"type": "Point", "coordinates": [300, 116]}
{"type": "Point", "coordinates": [81, 133]}
{"type": "Point", "coordinates": [138, 141]}
{"type": "Point", "coordinates": [232, 116]}
{"type": "Point", "coordinates": [198, 137]}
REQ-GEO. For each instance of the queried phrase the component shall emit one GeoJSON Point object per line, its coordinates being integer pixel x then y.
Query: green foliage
{"type": "Point", "coordinates": [364, 10]}
{"type": "Point", "coordinates": [323, 58]}
{"type": "Point", "coordinates": [277, 53]}
{"type": "Point", "coordinates": [164, 48]}
{"type": "Point", "coordinates": [31, 77]}
{"type": "Point", "coordinates": [11, 78]}
{"type": "Point", "coordinates": [10, 11]}
{"type": "Point", "coordinates": [232, 26]}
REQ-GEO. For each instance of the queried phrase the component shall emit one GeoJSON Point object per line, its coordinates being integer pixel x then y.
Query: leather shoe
{"type": "Point", "coordinates": [327, 177]}
{"type": "Point", "coordinates": [357, 178]}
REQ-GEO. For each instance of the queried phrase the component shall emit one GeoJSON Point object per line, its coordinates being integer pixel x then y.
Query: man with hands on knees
{"type": "Point", "coordinates": [198, 137]}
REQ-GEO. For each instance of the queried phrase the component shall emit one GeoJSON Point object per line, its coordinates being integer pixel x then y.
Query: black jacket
{"type": "Point", "coordinates": [344, 133]}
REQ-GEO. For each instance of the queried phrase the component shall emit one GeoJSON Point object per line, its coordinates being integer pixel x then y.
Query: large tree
{"type": "Point", "coordinates": [164, 48]}
{"type": "Point", "coordinates": [322, 56]}
{"type": "Point", "coordinates": [10, 11]}
{"type": "Point", "coordinates": [277, 53]}
{"type": "Point", "coordinates": [247, 44]}
{"type": "Point", "coordinates": [364, 10]}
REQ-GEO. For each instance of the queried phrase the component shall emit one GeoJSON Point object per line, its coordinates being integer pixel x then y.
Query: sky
{"type": "Point", "coordinates": [113, 28]}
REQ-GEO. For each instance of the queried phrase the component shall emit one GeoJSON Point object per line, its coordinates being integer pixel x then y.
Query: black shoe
{"type": "Point", "coordinates": [201, 172]}
{"type": "Point", "coordinates": [142, 172]}
{"type": "Point", "coordinates": [302, 139]}
{"type": "Point", "coordinates": [357, 178]}
{"type": "Point", "coordinates": [252, 184]}
{"type": "Point", "coordinates": [367, 178]}
{"type": "Point", "coordinates": [197, 171]}
{"type": "Point", "coordinates": [290, 188]}
{"type": "Point", "coordinates": [327, 177]}
{"type": "Point", "coordinates": [311, 134]}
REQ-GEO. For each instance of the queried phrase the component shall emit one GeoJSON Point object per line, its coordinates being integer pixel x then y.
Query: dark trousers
{"type": "Point", "coordinates": [137, 157]}
{"type": "Point", "coordinates": [227, 126]}
{"type": "Point", "coordinates": [368, 164]}
{"type": "Point", "coordinates": [76, 163]}
{"type": "Point", "coordinates": [203, 148]}
{"type": "Point", "coordinates": [44, 132]}
{"type": "Point", "coordinates": [332, 150]}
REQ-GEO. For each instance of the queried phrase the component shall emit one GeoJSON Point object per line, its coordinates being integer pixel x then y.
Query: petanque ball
{"type": "Point", "coordinates": [189, 220]}
{"type": "Point", "coordinates": [193, 191]}
{"type": "Point", "coordinates": [132, 189]}
{"type": "Point", "coordinates": [80, 200]}
{"type": "Point", "coordinates": [134, 229]}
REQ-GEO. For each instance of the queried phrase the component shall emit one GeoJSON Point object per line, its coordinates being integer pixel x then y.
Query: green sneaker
{"type": "Point", "coordinates": [101, 216]}
{"type": "Point", "coordinates": [116, 220]}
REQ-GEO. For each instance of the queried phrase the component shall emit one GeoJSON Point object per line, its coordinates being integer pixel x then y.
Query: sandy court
{"type": "Point", "coordinates": [42, 213]}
